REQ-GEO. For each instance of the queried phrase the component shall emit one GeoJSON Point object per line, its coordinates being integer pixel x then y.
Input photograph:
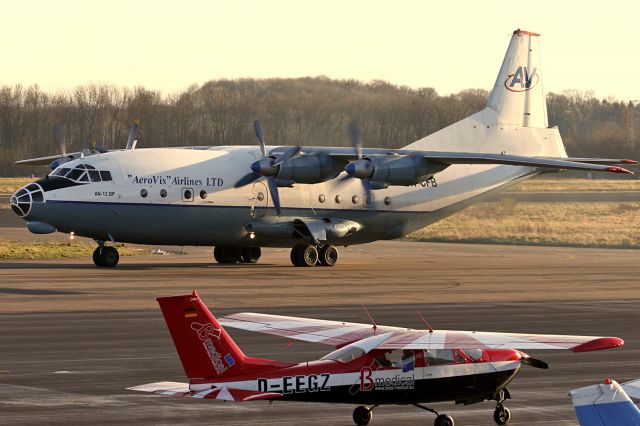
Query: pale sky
{"type": "Point", "coordinates": [449, 46]}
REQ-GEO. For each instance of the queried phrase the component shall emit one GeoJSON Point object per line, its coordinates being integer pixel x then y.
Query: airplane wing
{"type": "Point", "coordinates": [604, 404]}
{"type": "Point", "coordinates": [595, 164]}
{"type": "Point", "coordinates": [221, 393]}
{"type": "Point", "coordinates": [632, 388]}
{"type": "Point", "coordinates": [336, 333]}
{"type": "Point", "coordinates": [39, 161]}
{"type": "Point", "coordinates": [333, 333]}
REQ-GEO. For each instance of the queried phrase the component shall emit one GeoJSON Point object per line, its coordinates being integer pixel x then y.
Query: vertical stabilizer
{"type": "Point", "coordinates": [204, 347]}
{"type": "Point", "coordinates": [518, 97]}
{"type": "Point", "coordinates": [605, 404]}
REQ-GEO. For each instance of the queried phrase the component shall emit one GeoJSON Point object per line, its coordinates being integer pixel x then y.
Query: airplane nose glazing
{"type": "Point", "coordinates": [22, 201]}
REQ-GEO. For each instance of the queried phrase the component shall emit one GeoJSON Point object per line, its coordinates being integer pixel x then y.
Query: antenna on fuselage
{"type": "Point", "coordinates": [375, 326]}
{"type": "Point", "coordinates": [424, 320]}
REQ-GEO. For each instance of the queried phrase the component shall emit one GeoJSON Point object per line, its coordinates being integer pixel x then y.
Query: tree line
{"type": "Point", "coordinates": [302, 111]}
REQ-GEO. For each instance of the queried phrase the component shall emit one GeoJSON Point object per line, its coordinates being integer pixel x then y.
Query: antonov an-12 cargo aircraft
{"type": "Point", "coordinates": [241, 198]}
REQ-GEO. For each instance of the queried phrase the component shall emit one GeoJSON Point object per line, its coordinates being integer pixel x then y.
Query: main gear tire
{"type": "Point", "coordinates": [362, 415]}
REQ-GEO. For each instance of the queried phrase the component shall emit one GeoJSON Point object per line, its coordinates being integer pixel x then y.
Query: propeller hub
{"type": "Point", "coordinates": [361, 169]}
{"type": "Point", "coordinates": [264, 167]}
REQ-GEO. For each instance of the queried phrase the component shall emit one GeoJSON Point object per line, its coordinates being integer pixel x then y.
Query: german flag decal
{"type": "Point", "coordinates": [190, 312]}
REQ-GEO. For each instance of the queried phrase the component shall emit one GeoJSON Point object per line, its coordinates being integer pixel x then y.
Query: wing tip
{"type": "Point", "coordinates": [599, 344]}
{"type": "Point", "coordinates": [616, 169]}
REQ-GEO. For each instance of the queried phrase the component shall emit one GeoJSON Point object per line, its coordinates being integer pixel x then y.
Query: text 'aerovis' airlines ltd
{"type": "Point", "coordinates": [241, 198]}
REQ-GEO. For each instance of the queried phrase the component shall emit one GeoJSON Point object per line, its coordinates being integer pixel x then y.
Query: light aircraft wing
{"type": "Point", "coordinates": [336, 333]}
{"type": "Point", "coordinates": [632, 388]}
{"type": "Point", "coordinates": [222, 393]}
{"type": "Point", "coordinates": [604, 404]}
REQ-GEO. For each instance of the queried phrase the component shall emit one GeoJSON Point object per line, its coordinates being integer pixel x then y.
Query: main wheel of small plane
{"type": "Point", "coordinates": [109, 257]}
{"type": "Point", "coordinates": [444, 420]}
{"type": "Point", "coordinates": [96, 256]}
{"type": "Point", "coordinates": [502, 415]}
{"type": "Point", "coordinates": [328, 255]}
{"type": "Point", "coordinates": [362, 415]}
{"type": "Point", "coordinates": [250, 254]}
{"type": "Point", "coordinates": [304, 255]}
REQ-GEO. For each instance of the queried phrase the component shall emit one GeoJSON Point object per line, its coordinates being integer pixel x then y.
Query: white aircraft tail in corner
{"type": "Point", "coordinates": [607, 404]}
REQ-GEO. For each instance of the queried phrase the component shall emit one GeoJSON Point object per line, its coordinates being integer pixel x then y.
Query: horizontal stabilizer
{"type": "Point", "coordinates": [221, 393]}
{"type": "Point", "coordinates": [336, 333]}
{"type": "Point", "coordinates": [604, 404]}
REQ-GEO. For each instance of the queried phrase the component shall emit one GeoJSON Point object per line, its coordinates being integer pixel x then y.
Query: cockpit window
{"type": "Point", "coordinates": [62, 172]}
{"type": "Point", "coordinates": [440, 356]}
{"type": "Point", "coordinates": [74, 174]}
{"type": "Point", "coordinates": [94, 175]}
{"type": "Point", "coordinates": [83, 173]}
{"type": "Point", "coordinates": [346, 354]}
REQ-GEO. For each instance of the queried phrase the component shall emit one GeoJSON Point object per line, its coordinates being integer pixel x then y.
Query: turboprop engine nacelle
{"type": "Point", "coordinates": [313, 168]}
{"type": "Point", "coordinates": [394, 170]}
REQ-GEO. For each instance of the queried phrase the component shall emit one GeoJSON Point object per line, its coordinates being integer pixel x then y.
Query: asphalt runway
{"type": "Point", "coordinates": [73, 337]}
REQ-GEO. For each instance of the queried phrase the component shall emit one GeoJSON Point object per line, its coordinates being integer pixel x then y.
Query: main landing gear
{"type": "Point", "coordinates": [362, 416]}
{"type": "Point", "coordinates": [232, 254]}
{"type": "Point", "coordinates": [105, 256]}
{"type": "Point", "coordinates": [309, 255]}
{"type": "Point", "coordinates": [301, 255]}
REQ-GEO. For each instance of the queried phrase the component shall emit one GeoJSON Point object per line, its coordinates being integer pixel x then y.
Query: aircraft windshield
{"type": "Point", "coordinates": [83, 173]}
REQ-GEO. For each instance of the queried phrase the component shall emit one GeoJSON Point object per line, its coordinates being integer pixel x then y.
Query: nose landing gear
{"type": "Point", "coordinates": [105, 256]}
{"type": "Point", "coordinates": [502, 415]}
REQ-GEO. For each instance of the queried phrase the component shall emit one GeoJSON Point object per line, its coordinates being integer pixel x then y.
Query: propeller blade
{"type": "Point", "coordinates": [59, 136]}
{"type": "Point", "coordinates": [247, 179]}
{"type": "Point", "coordinates": [286, 155]}
{"type": "Point", "coordinates": [532, 362]}
{"type": "Point", "coordinates": [354, 136]}
{"type": "Point", "coordinates": [258, 129]}
{"type": "Point", "coordinates": [273, 190]}
{"type": "Point", "coordinates": [133, 134]}
{"type": "Point", "coordinates": [366, 185]}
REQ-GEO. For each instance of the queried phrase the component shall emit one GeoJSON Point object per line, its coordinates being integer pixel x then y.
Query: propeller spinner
{"type": "Point", "coordinates": [268, 166]}
{"type": "Point", "coordinates": [362, 168]}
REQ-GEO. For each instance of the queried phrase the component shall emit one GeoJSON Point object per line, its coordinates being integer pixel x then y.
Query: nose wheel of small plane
{"type": "Point", "coordinates": [501, 415]}
{"type": "Point", "coordinates": [362, 415]}
{"type": "Point", "coordinates": [105, 256]}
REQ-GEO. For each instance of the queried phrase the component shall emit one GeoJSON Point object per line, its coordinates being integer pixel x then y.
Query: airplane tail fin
{"type": "Point", "coordinates": [518, 97]}
{"type": "Point", "coordinates": [204, 347]}
{"type": "Point", "coordinates": [515, 117]}
{"type": "Point", "coordinates": [604, 404]}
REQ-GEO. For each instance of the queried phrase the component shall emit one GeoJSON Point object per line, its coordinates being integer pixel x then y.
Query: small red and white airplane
{"type": "Point", "coordinates": [372, 364]}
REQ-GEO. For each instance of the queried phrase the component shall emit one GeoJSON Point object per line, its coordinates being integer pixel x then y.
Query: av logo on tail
{"type": "Point", "coordinates": [521, 80]}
